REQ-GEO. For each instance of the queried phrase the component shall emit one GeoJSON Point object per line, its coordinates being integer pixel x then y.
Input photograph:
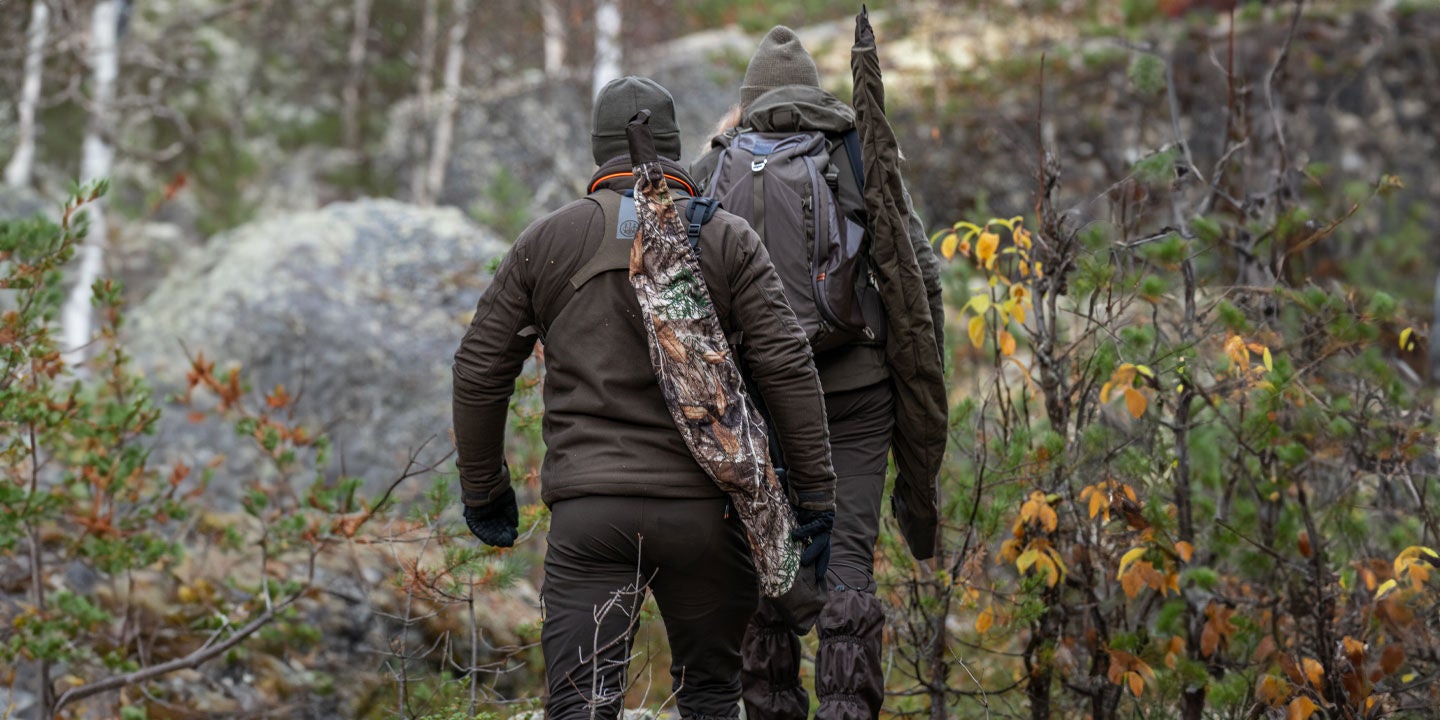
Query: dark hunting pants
{"type": "Point", "coordinates": [696, 562]}
{"type": "Point", "coordinates": [848, 681]}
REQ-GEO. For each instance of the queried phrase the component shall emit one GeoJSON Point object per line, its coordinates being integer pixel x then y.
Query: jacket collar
{"type": "Point", "coordinates": [616, 175]}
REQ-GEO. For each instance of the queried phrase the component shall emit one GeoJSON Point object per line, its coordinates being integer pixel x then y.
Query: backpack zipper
{"type": "Point", "coordinates": [818, 280]}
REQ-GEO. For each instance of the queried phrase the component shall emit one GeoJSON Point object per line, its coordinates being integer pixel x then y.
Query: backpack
{"type": "Point", "coordinates": [785, 186]}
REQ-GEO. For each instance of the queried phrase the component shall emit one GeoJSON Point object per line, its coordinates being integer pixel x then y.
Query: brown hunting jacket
{"type": "Point", "coordinates": [606, 427]}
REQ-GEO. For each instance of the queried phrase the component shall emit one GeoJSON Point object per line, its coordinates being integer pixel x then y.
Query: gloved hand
{"type": "Point", "coordinates": [812, 528]}
{"type": "Point", "coordinates": [496, 524]}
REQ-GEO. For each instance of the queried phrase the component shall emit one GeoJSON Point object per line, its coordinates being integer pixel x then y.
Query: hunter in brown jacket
{"type": "Point", "coordinates": [626, 497]}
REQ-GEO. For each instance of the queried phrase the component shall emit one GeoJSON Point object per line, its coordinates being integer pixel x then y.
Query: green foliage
{"type": "Point", "coordinates": [113, 546]}
{"type": "Point", "coordinates": [1188, 457]}
{"type": "Point", "coordinates": [1147, 74]}
{"type": "Point", "coordinates": [505, 207]}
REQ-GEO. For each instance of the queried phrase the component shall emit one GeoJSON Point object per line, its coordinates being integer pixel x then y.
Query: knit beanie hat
{"type": "Point", "coordinates": [617, 102]}
{"type": "Point", "coordinates": [780, 60]}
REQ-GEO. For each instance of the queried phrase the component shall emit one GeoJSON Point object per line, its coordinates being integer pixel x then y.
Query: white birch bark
{"type": "Point", "coordinates": [22, 163]}
{"type": "Point", "coordinates": [96, 156]}
{"type": "Point", "coordinates": [424, 86]}
{"type": "Point", "coordinates": [360, 29]}
{"type": "Point", "coordinates": [607, 43]}
{"type": "Point", "coordinates": [553, 26]}
{"type": "Point", "coordinates": [445, 125]}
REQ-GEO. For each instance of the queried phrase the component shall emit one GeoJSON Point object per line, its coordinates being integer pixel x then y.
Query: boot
{"type": "Point", "coordinates": [848, 676]}
{"type": "Point", "coordinates": [770, 669]}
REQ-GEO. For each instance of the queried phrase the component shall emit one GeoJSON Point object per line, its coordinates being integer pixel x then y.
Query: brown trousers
{"type": "Point", "coordinates": [604, 554]}
{"type": "Point", "coordinates": [848, 674]}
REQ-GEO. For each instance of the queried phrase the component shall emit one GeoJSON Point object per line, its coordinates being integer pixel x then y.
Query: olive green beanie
{"type": "Point", "coordinates": [617, 102]}
{"type": "Point", "coordinates": [780, 60]}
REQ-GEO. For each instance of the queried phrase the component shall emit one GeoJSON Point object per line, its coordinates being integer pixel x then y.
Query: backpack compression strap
{"type": "Point", "coordinates": [851, 138]}
{"type": "Point", "coordinates": [697, 213]}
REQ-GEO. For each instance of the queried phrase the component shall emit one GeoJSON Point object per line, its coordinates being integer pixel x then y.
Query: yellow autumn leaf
{"type": "Point", "coordinates": [1052, 573]}
{"type": "Point", "coordinates": [1135, 402]}
{"type": "Point", "coordinates": [948, 245]}
{"type": "Point", "coordinates": [1419, 574]}
{"type": "Point", "coordinates": [979, 303]}
{"type": "Point", "coordinates": [1027, 559]}
{"type": "Point", "coordinates": [1414, 551]}
{"type": "Point", "coordinates": [1185, 550]}
{"type": "Point", "coordinates": [1022, 238]}
{"type": "Point", "coordinates": [1007, 343]}
{"type": "Point", "coordinates": [1097, 503]}
{"type": "Point", "coordinates": [1009, 550]}
{"type": "Point", "coordinates": [1058, 564]}
{"type": "Point", "coordinates": [1266, 359]}
{"type": "Point", "coordinates": [985, 620]}
{"type": "Point", "coordinates": [1272, 690]}
{"type": "Point", "coordinates": [1301, 708]}
{"type": "Point", "coordinates": [1136, 684]}
{"type": "Point", "coordinates": [1128, 558]}
{"type": "Point", "coordinates": [1405, 343]}
{"type": "Point", "coordinates": [1105, 392]}
{"type": "Point", "coordinates": [1384, 588]}
{"type": "Point", "coordinates": [986, 248]}
{"type": "Point", "coordinates": [1145, 370]}
{"type": "Point", "coordinates": [1019, 313]}
{"type": "Point", "coordinates": [977, 331]}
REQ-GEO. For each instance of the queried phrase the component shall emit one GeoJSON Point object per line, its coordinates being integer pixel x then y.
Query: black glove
{"type": "Point", "coordinates": [812, 528]}
{"type": "Point", "coordinates": [496, 524]}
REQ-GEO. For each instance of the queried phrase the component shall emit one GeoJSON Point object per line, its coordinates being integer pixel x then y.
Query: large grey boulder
{"type": "Point", "coordinates": [356, 308]}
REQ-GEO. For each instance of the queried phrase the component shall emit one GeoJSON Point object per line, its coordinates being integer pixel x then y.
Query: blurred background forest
{"type": "Point", "coordinates": [1190, 266]}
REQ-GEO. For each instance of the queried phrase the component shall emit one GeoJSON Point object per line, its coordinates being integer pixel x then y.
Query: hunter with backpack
{"type": "Point", "coordinates": [863, 281]}
{"type": "Point", "coordinates": [655, 470]}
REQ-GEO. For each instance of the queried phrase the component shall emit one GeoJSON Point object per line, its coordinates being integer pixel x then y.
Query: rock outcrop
{"type": "Point", "coordinates": [355, 308]}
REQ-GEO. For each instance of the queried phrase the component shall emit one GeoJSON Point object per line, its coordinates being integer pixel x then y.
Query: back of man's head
{"type": "Point", "coordinates": [780, 60]}
{"type": "Point", "coordinates": [617, 102]}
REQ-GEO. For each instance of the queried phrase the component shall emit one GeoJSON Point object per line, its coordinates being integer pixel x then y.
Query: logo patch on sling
{"type": "Point", "coordinates": [626, 227]}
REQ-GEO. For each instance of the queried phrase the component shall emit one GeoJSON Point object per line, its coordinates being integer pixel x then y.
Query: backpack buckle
{"type": "Point", "coordinates": [758, 165]}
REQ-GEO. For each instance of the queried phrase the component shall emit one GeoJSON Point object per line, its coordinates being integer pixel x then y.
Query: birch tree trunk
{"type": "Point", "coordinates": [360, 29]}
{"type": "Point", "coordinates": [424, 86]}
{"type": "Point", "coordinates": [553, 26]}
{"type": "Point", "coordinates": [445, 125]}
{"type": "Point", "coordinates": [607, 43]}
{"type": "Point", "coordinates": [96, 156]}
{"type": "Point", "coordinates": [17, 172]}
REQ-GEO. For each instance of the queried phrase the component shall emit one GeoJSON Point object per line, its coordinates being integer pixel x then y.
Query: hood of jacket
{"type": "Point", "coordinates": [799, 107]}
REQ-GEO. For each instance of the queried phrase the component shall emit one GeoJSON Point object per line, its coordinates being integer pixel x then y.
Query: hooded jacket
{"type": "Point", "coordinates": [606, 428]}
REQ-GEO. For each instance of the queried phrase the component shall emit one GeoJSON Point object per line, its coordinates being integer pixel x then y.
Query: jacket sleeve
{"type": "Point", "coordinates": [929, 271]}
{"type": "Point", "coordinates": [778, 358]}
{"type": "Point", "coordinates": [490, 357]}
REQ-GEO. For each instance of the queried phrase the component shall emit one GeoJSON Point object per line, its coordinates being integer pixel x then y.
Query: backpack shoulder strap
{"type": "Point", "coordinates": [613, 253]}
{"type": "Point", "coordinates": [697, 213]}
